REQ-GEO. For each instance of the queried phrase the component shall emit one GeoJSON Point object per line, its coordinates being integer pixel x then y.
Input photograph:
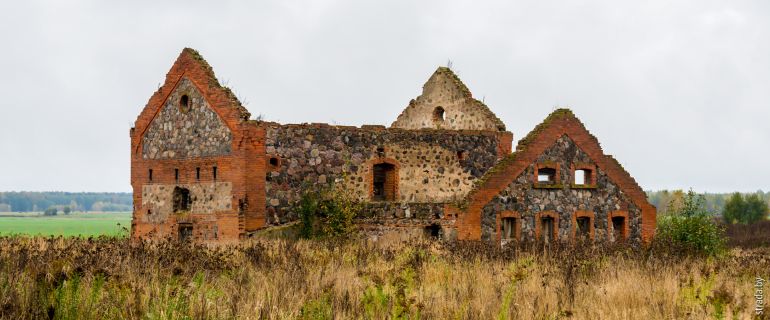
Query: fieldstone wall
{"type": "Point", "coordinates": [207, 198]}
{"type": "Point", "coordinates": [565, 200]}
{"type": "Point", "coordinates": [391, 221]}
{"type": "Point", "coordinates": [184, 132]}
{"type": "Point", "coordinates": [458, 109]}
{"type": "Point", "coordinates": [433, 165]}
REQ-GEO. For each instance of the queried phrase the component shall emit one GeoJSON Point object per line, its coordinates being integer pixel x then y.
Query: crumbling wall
{"type": "Point", "coordinates": [182, 131]}
{"type": "Point", "coordinates": [521, 196]}
{"type": "Point", "coordinates": [433, 165]}
{"type": "Point", "coordinates": [446, 103]}
{"type": "Point", "coordinates": [206, 145]}
{"type": "Point", "coordinates": [206, 198]}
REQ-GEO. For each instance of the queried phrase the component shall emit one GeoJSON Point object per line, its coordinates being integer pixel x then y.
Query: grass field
{"type": "Point", "coordinates": [72, 225]}
{"type": "Point", "coordinates": [111, 278]}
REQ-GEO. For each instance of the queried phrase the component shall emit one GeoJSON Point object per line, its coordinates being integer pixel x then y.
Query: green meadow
{"type": "Point", "coordinates": [83, 224]}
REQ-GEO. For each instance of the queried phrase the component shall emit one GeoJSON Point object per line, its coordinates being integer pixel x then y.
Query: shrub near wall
{"type": "Point", "coordinates": [690, 228]}
{"type": "Point", "coordinates": [327, 213]}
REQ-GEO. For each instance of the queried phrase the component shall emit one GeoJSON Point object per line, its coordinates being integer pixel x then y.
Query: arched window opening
{"type": "Point", "coordinates": [184, 103]}
{"type": "Point", "coordinates": [384, 181]}
{"type": "Point", "coordinates": [438, 114]}
{"type": "Point", "coordinates": [181, 200]}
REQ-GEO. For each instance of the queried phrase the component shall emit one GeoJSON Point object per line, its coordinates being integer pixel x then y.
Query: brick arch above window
{"type": "Point", "coordinates": [393, 177]}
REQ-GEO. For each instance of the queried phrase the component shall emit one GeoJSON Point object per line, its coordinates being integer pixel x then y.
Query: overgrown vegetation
{"type": "Point", "coordinates": [327, 213]}
{"type": "Point", "coordinates": [68, 278]}
{"type": "Point", "coordinates": [689, 226]}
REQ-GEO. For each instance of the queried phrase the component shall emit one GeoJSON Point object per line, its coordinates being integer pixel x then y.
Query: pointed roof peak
{"type": "Point", "coordinates": [558, 114]}
{"type": "Point", "coordinates": [447, 74]}
{"type": "Point", "coordinates": [446, 103]}
{"type": "Point", "coordinates": [191, 62]}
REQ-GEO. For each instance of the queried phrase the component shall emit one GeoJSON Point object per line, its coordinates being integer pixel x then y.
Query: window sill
{"type": "Point", "coordinates": [547, 186]}
{"type": "Point", "coordinates": [583, 186]}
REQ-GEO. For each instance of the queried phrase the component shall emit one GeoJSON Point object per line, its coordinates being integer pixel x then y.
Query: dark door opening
{"type": "Point", "coordinates": [384, 182]}
{"type": "Point", "coordinates": [432, 231]}
{"type": "Point", "coordinates": [182, 200]}
{"type": "Point", "coordinates": [185, 232]}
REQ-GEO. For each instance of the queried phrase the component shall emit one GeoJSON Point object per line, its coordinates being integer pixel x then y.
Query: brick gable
{"type": "Point", "coordinates": [560, 122]}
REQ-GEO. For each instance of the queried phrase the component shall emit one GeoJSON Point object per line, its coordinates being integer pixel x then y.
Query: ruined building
{"type": "Point", "coordinates": [201, 169]}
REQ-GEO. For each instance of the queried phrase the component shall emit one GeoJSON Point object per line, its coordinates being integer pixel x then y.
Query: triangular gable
{"type": "Point", "coordinates": [560, 122]}
{"type": "Point", "coordinates": [192, 66]}
{"type": "Point", "coordinates": [443, 87]}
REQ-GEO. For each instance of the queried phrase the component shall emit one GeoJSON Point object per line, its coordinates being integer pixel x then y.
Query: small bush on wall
{"type": "Point", "coordinates": [327, 213]}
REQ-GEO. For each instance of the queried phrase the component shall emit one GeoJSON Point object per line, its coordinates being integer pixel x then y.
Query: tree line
{"type": "Point", "coordinates": [731, 207]}
{"type": "Point", "coordinates": [26, 201]}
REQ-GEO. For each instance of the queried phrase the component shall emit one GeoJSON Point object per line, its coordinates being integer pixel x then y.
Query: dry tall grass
{"type": "Point", "coordinates": [109, 278]}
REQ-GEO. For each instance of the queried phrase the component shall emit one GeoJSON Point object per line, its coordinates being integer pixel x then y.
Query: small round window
{"type": "Point", "coordinates": [184, 103]}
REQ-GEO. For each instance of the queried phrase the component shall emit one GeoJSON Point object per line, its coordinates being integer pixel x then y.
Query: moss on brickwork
{"type": "Point", "coordinates": [213, 82]}
{"type": "Point", "coordinates": [509, 159]}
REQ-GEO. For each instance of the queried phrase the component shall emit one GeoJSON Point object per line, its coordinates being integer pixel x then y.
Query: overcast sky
{"type": "Point", "coordinates": [678, 91]}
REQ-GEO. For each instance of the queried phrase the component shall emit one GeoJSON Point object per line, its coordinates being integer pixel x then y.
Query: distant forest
{"type": "Point", "coordinates": [75, 201]}
{"type": "Point", "coordinates": [102, 201]}
{"type": "Point", "coordinates": [714, 202]}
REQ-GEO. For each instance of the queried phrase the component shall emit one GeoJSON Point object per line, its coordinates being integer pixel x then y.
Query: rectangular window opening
{"type": "Point", "coordinates": [150, 175]}
{"type": "Point", "coordinates": [546, 229]}
{"type": "Point", "coordinates": [185, 232]}
{"type": "Point", "coordinates": [546, 175]}
{"type": "Point", "coordinates": [618, 228]}
{"type": "Point", "coordinates": [583, 177]}
{"type": "Point", "coordinates": [508, 229]}
{"type": "Point", "coordinates": [384, 182]}
{"type": "Point", "coordinates": [583, 227]}
{"type": "Point", "coordinates": [176, 175]}
{"type": "Point", "coordinates": [214, 172]}
{"type": "Point", "coordinates": [197, 173]}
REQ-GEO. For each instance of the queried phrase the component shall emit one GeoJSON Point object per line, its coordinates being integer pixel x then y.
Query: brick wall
{"type": "Point", "coordinates": [561, 122]}
{"type": "Point", "coordinates": [240, 165]}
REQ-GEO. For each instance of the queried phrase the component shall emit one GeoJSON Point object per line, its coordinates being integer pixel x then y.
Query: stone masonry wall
{"type": "Point", "coordinates": [179, 132]}
{"type": "Point", "coordinates": [522, 197]}
{"type": "Point", "coordinates": [207, 198]}
{"type": "Point", "coordinates": [461, 111]}
{"type": "Point", "coordinates": [433, 165]}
